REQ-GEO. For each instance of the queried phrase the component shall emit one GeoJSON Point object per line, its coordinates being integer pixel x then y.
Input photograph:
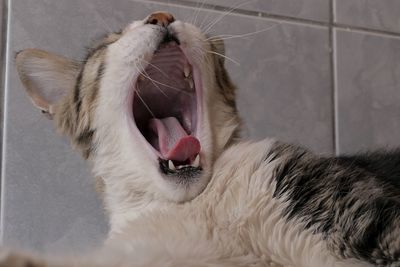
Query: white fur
{"type": "Point", "coordinates": [235, 218]}
{"type": "Point", "coordinates": [235, 221]}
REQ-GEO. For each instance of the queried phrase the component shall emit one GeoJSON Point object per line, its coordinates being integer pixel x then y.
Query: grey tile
{"type": "Point", "coordinates": [284, 82]}
{"type": "Point", "coordinates": [380, 15]}
{"type": "Point", "coordinates": [48, 197]}
{"type": "Point", "coordinates": [283, 77]}
{"type": "Point", "coordinates": [49, 200]}
{"type": "Point", "coordinates": [368, 81]}
{"type": "Point", "coordinates": [306, 9]}
{"type": "Point", "coordinates": [3, 17]}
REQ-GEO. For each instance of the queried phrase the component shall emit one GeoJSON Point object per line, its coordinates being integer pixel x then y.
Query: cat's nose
{"type": "Point", "coordinates": [162, 19]}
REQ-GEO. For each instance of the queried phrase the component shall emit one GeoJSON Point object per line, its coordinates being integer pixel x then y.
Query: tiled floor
{"type": "Point", "coordinates": [322, 73]}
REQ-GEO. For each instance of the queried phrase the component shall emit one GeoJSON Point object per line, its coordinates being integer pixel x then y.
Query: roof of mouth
{"type": "Point", "coordinates": [165, 105]}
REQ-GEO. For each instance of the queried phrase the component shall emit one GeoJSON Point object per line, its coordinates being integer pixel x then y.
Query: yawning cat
{"type": "Point", "coordinates": [153, 110]}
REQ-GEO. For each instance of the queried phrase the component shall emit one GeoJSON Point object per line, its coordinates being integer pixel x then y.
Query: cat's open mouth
{"type": "Point", "coordinates": [166, 110]}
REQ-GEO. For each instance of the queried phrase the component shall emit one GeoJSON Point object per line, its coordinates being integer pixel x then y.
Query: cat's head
{"type": "Point", "coordinates": [151, 107]}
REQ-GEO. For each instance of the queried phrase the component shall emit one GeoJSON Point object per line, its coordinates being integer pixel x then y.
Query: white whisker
{"type": "Point", "coordinates": [144, 103]}
{"type": "Point", "coordinates": [157, 68]}
{"type": "Point", "coordinates": [218, 54]}
{"type": "Point", "coordinates": [145, 74]}
{"type": "Point", "coordinates": [221, 55]}
{"type": "Point", "coordinates": [219, 36]}
{"type": "Point", "coordinates": [198, 11]}
{"type": "Point", "coordinates": [226, 57]}
{"type": "Point", "coordinates": [160, 83]}
{"type": "Point", "coordinates": [229, 11]}
{"type": "Point", "coordinates": [227, 37]}
{"type": "Point", "coordinates": [205, 18]}
{"type": "Point", "coordinates": [154, 83]}
{"type": "Point", "coordinates": [171, 87]}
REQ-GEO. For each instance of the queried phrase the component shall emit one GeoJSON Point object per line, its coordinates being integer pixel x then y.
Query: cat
{"type": "Point", "coordinates": [153, 110]}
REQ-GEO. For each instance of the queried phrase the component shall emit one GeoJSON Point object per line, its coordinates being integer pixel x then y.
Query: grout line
{"type": "Point", "coordinates": [335, 99]}
{"type": "Point", "coordinates": [332, 61]}
{"type": "Point", "coordinates": [5, 82]}
{"type": "Point", "coordinates": [3, 23]}
{"type": "Point", "coordinates": [359, 29]}
{"type": "Point", "coordinates": [238, 11]}
{"type": "Point", "coordinates": [332, 82]}
{"type": "Point", "coordinates": [336, 94]}
{"type": "Point", "coordinates": [266, 15]}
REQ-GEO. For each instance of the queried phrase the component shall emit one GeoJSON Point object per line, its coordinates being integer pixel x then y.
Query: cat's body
{"type": "Point", "coordinates": [242, 203]}
{"type": "Point", "coordinates": [252, 212]}
{"type": "Point", "coordinates": [247, 216]}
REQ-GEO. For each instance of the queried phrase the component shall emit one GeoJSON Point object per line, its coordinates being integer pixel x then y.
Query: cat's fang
{"type": "Point", "coordinates": [186, 71]}
{"type": "Point", "coordinates": [182, 166]}
{"type": "Point", "coordinates": [171, 165]}
{"type": "Point", "coordinates": [196, 162]}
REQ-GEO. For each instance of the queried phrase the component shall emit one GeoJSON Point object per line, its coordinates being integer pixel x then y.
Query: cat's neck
{"type": "Point", "coordinates": [125, 207]}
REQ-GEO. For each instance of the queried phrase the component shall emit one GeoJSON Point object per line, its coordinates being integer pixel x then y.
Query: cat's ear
{"type": "Point", "coordinates": [47, 77]}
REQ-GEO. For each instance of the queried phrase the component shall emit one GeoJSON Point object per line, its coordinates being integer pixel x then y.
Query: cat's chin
{"type": "Point", "coordinates": [167, 111]}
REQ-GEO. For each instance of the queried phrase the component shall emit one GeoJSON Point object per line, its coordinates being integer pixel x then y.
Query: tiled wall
{"type": "Point", "coordinates": [322, 73]}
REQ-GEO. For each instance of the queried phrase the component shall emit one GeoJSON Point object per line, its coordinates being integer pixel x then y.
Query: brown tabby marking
{"type": "Point", "coordinates": [75, 111]}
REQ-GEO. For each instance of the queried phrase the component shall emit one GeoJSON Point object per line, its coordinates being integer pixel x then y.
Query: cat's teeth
{"type": "Point", "coordinates": [191, 83]}
{"type": "Point", "coordinates": [171, 165]}
{"type": "Point", "coordinates": [182, 166]}
{"type": "Point", "coordinates": [196, 162]}
{"type": "Point", "coordinates": [186, 70]}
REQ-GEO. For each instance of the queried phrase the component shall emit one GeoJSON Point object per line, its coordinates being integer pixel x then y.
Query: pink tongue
{"type": "Point", "coordinates": [173, 141]}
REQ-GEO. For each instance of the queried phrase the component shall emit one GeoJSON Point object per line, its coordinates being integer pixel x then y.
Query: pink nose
{"type": "Point", "coordinates": [162, 19]}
